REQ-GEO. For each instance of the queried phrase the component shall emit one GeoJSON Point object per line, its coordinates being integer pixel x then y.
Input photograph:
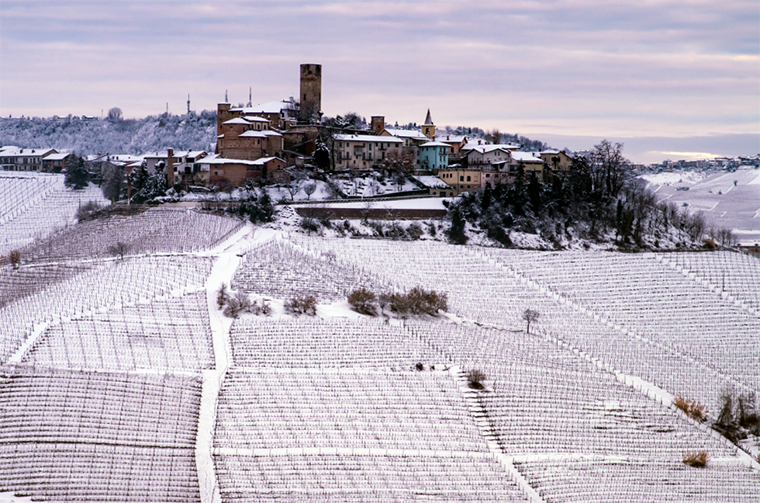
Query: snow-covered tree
{"type": "Point", "coordinates": [76, 174]}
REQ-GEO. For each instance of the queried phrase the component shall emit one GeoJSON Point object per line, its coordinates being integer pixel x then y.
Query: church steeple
{"type": "Point", "coordinates": [428, 128]}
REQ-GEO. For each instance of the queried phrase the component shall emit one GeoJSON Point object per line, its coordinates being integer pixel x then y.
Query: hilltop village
{"type": "Point", "coordinates": [264, 144]}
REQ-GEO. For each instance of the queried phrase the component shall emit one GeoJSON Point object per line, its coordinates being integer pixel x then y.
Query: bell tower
{"type": "Point", "coordinates": [311, 91]}
{"type": "Point", "coordinates": [428, 129]}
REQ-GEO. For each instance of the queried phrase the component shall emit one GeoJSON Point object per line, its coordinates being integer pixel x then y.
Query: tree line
{"type": "Point", "coordinates": [598, 199]}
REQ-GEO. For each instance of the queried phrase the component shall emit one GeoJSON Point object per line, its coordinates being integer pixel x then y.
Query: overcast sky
{"type": "Point", "coordinates": [569, 71]}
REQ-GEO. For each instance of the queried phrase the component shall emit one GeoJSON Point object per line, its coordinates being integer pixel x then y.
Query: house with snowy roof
{"type": "Point", "coordinates": [557, 160]}
{"type": "Point", "coordinates": [531, 163]}
{"type": "Point", "coordinates": [55, 163]}
{"type": "Point", "coordinates": [23, 159]}
{"type": "Point", "coordinates": [363, 152]}
{"type": "Point", "coordinates": [216, 170]}
{"type": "Point", "coordinates": [485, 155]}
{"type": "Point", "coordinates": [433, 156]}
{"type": "Point", "coordinates": [248, 138]}
{"type": "Point", "coordinates": [455, 142]}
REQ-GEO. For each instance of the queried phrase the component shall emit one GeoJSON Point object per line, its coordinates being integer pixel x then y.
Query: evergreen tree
{"type": "Point", "coordinates": [115, 183]}
{"type": "Point", "coordinates": [322, 156]}
{"type": "Point", "coordinates": [76, 175]}
{"type": "Point", "coordinates": [534, 193]}
{"type": "Point", "coordinates": [456, 231]}
{"type": "Point", "coordinates": [146, 186]}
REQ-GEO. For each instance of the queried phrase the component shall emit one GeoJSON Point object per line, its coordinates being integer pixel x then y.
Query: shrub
{"type": "Point", "coordinates": [399, 303]}
{"type": "Point", "coordinates": [475, 379]}
{"type": "Point", "coordinates": [377, 227]}
{"type": "Point", "coordinates": [237, 304]}
{"type": "Point", "coordinates": [395, 231]}
{"type": "Point", "coordinates": [414, 231]}
{"type": "Point", "coordinates": [310, 225]}
{"type": "Point", "coordinates": [87, 210]}
{"type": "Point", "coordinates": [260, 308]}
{"type": "Point", "coordinates": [498, 234]}
{"type": "Point", "coordinates": [696, 459]}
{"type": "Point", "coordinates": [418, 301]}
{"type": "Point", "coordinates": [363, 301]}
{"type": "Point", "coordinates": [222, 296]}
{"type": "Point", "coordinates": [304, 304]}
{"type": "Point", "coordinates": [738, 416]}
{"type": "Point", "coordinates": [424, 302]}
{"type": "Point", "coordinates": [15, 258]}
{"type": "Point", "coordinates": [692, 408]}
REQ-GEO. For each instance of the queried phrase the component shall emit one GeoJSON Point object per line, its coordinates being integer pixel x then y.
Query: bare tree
{"type": "Point", "coordinates": [120, 248]}
{"type": "Point", "coordinates": [395, 161]}
{"type": "Point", "coordinates": [297, 178]}
{"type": "Point", "coordinates": [399, 178]}
{"type": "Point", "coordinates": [529, 315]}
{"type": "Point", "coordinates": [115, 114]}
{"type": "Point", "coordinates": [309, 189]}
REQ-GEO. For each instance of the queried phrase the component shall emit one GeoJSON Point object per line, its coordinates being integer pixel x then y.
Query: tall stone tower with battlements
{"type": "Point", "coordinates": [311, 91]}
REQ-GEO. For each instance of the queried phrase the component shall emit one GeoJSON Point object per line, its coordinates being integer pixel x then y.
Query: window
{"type": "Point", "coordinates": [468, 178]}
{"type": "Point", "coordinates": [461, 178]}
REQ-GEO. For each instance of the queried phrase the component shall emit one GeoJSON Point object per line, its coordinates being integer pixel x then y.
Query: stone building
{"type": "Point", "coordinates": [311, 92]}
{"type": "Point", "coordinates": [248, 138]}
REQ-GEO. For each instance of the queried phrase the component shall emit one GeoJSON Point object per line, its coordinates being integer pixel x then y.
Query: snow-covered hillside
{"type": "Point", "coordinates": [126, 136]}
{"type": "Point", "coordinates": [728, 199]}
{"type": "Point", "coordinates": [122, 378]}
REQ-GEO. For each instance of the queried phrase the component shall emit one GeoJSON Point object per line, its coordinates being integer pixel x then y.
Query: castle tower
{"type": "Point", "coordinates": [428, 129]}
{"type": "Point", "coordinates": [311, 91]}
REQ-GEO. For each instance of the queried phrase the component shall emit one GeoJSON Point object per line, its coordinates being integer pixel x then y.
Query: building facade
{"type": "Point", "coordinates": [363, 152]}
{"type": "Point", "coordinates": [248, 138]}
{"type": "Point", "coordinates": [461, 180]}
{"type": "Point", "coordinates": [433, 156]}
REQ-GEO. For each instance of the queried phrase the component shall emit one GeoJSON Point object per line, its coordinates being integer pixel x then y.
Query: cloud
{"type": "Point", "coordinates": [582, 67]}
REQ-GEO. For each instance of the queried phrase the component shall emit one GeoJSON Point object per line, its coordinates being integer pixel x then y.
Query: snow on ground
{"type": "Point", "coordinates": [8, 497]}
{"type": "Point", "coordinates": [728, 199]}
{"type": "Point", "coordinates": [678, 177]}
{"type": "Point", "coordinates": [433, 203]}
{"type": "Point", "coordinates": [369, 186]}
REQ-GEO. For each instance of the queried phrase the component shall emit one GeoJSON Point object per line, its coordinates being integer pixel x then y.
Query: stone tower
{"type": "Point", "coordinates": [378, 124]}
{"type": "Point", "coordinates": [311, 91]}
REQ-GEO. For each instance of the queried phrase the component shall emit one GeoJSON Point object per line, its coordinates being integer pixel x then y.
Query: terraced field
{"type": "Point", "coordinates": [122, 379]}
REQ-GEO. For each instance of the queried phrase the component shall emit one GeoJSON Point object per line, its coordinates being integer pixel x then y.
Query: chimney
{"type": "Point", "coordinates": [170, 167]}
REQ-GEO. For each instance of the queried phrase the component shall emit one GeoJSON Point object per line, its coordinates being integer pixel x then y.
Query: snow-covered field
{"type": "Point", "coordinates": [34, 205]}
{"type": "Point", "coordinates": [428, 203]}
{"type": "Point", "coordinates": [122, 379]}
{"type": "Point", "coordinates": [729, 200]}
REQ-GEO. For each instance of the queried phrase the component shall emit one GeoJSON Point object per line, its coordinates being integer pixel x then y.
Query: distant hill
{"type": "Point", "coordinates": [122, 136]}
